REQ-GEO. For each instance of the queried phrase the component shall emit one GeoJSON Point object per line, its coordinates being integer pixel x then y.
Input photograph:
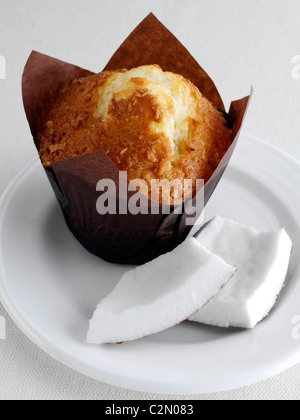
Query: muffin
{"type": "Point", "coordinates": [154, 125]}
{"type": "Point", "coordinates": [149, 122]}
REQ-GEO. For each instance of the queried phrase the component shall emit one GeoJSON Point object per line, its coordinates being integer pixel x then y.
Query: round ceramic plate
{"type": "Point", "coordinates": [50, 286]}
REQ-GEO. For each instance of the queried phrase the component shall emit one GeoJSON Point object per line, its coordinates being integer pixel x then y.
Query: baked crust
{"type": "Point", "coordinates": [153, 124]}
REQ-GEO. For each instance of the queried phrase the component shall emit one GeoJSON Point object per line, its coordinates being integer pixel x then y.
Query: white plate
{"type": "Point", "coordinates": [50, 286]}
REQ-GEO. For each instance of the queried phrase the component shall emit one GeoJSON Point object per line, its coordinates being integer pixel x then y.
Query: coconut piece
{"type": "Point", "coordinates": [262, 260]}
{"type": "Point", "coordinates": [160, 294]}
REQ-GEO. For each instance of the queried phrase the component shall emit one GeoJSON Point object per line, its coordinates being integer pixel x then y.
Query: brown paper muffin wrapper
{"type": "Point", "coordinates": [121, 238]}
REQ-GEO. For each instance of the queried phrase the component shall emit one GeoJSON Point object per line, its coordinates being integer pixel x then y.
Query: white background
{"type": "Point", "coordinates": [240, 43]}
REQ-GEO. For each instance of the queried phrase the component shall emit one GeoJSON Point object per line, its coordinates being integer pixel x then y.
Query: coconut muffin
{"type": "Point", "coordinates": [154, 125]}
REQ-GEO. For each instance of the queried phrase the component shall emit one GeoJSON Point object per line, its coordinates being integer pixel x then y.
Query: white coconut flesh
{"type": "Point", "coordinates": [159, 295]}
{"type": "Point", "coordinates": [262, 260]}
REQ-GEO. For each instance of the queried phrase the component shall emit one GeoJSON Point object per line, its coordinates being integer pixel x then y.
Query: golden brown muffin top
{"type": "Point", "coordinates": [150, 123]}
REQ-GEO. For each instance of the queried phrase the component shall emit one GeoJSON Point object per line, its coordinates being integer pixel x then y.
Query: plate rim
{"type": "Point", "coordinates": [107, 376]}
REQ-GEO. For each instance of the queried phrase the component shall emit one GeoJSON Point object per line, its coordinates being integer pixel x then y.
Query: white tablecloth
{"type": "Point", "coordinates": [239, 43]}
